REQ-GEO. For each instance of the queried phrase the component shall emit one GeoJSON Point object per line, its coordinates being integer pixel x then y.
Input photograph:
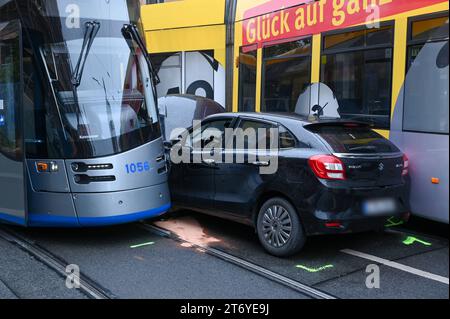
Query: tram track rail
{"type": "Point", "coordinates": [240, 262]}
{"type": "Point", "coordinates": [87, 286]}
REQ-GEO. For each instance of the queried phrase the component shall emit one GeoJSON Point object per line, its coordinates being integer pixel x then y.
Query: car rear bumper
{"type": "Point", "coordinates": [341, 210]}
{"type": "Point", "coordinates": [357, 225]}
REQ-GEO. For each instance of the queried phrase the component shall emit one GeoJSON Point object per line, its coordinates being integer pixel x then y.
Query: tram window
{"type": "Point", "coordinates": [357, 66]}
{"type": "Point", "coordinates": [429, 29]}
{"type": "Point", "coordinates": [287, 75]}
{"type": "Point", "coordinates": [154, 1]}
{"type": "Point", "coordinates": [50, 62]}
{"type": "Point", "coordinates": [247, 79]}
{"type": "Point", "coordinates": [294, 48]}
{"type": "Point", "coordinates": [168, 67]}
{"type": "Point", "coordinates": [10, 140]}
{"type": "Point", "coordinates": [426, 98]}
{"type": "Point", "coordinates": [112, 109]}
{"type": "Point", "coordinates": [192, 72]}
{"type": "Point", "coordinates": [41, 135]}
{"type": "Point", "coordinates": [200, 68]}
{"type": "Point", "coordinates": [359, 39]}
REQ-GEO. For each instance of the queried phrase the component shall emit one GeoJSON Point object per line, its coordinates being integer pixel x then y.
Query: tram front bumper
{"type": "Point", "coordinates": [100, 209]}
{"type": "Point", "coordinates": [114, 208]}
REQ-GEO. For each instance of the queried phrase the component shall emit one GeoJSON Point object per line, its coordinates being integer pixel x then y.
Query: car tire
{"type": "Point", "coordinates": [279, 228]}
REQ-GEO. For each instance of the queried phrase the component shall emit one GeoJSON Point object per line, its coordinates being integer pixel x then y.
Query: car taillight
{"type": "Point", "coordinates": [405, 165]}
{"type": "Point", "coordinates": [327, 167]}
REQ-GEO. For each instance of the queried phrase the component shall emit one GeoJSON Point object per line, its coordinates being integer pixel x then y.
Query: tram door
{"type": "Point", "coordinates": [12, 189]}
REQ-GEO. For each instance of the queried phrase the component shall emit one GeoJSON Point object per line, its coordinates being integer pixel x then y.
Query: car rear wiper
{"type": "Point", "coordinates": [130, 32]}
{"type": "Point", "coordinates": [92, 28]}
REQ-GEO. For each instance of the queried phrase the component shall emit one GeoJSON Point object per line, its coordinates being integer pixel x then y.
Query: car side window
{"type": "Point", "coordinates": [211, 134]}
{"type": "Point", "coordinates": [287, 140]}
{"type": "Point", "coordinates": [262, 131]}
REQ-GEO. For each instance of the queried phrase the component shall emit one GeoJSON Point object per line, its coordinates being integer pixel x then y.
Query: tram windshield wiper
{"type": "Point", "coordinates": [92, 28]}
{"type": "Point", "coordinates": [130, 32]}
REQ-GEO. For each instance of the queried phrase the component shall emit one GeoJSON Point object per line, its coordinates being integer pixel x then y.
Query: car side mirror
{"type": "Point", "coordinates": [167, 145]}
{"type": "Point", "coordinates": [172, 142]}
{"type": "Point", "coordinates": [176, 141]}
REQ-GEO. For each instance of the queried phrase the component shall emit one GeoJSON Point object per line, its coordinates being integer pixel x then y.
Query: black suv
{"type": "Point", "coordinates": [333, 176]}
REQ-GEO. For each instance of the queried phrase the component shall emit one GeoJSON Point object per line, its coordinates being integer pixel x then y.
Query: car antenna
{"type": "Point", "coordinates": [319, 109]}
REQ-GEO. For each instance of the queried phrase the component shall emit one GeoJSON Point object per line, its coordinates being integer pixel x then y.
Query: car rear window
{"type": "Point", "coordinates": [353, 139]}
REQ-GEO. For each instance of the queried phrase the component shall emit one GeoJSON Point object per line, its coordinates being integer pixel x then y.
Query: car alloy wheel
{"type": "Point", "coordinates": [277, 226]}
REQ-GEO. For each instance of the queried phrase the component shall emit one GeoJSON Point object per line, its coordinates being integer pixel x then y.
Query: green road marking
{"type": "Point", "coordinates": [142, 245]}
{"type": "Point", "coordinates": [314, 270]}
{"type": "Point", "coordinates": [393, 223]}
{"type": "Point", "coordinates": [411, 240]}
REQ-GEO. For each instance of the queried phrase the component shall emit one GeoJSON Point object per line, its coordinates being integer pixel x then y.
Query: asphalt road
{"type": "Point", "coordinates": [23, 277]}
{"type": "Point", "coordinates": [163, 269]}
{"type": "Point", "coordinates": [343, 275]}
{"type": "Point", "coordinates": [131, 262]}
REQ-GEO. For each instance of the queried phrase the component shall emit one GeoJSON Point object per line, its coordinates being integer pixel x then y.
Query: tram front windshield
{"type": "Point", "coordinates": [102, 87]}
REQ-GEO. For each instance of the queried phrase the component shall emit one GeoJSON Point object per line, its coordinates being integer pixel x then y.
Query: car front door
{"type": "Point", "coordinates": [204, 142]}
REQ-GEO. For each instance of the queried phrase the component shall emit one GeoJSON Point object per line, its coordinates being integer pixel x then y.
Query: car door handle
{"type": "Point", "coordinates": [261, 163]}
{"type": "Point", "coordinates": [209, 161]}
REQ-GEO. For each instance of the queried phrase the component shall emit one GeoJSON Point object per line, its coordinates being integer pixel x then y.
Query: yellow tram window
{"type": "Point", "coordinates": [430, 29]}
{"type": "Point", "coordinates": [357, 68]}
{"type": "Point", "coordinates": [358, 39]}
{"type": "Point", "coordinates": [286, 74]}
{"type": "Point", "coordinates": [247, 78]}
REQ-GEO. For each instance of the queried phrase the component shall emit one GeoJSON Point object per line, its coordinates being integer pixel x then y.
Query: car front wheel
{"type": "Point", "coordinates": [279, 228]}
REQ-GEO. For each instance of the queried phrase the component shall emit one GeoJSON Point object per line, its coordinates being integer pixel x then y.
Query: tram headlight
{"type": "Point", "coordinates": [53, 167]}
{"type": "Point", "coordinates": [47, 167]}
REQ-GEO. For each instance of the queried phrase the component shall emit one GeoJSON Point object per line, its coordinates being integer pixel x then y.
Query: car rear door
{"type": "Point", "coordinates": [238, 181]}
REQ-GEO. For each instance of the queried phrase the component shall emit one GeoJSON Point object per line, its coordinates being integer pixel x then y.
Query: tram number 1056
{"type": "Point", "coordinates": [137, 168]}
